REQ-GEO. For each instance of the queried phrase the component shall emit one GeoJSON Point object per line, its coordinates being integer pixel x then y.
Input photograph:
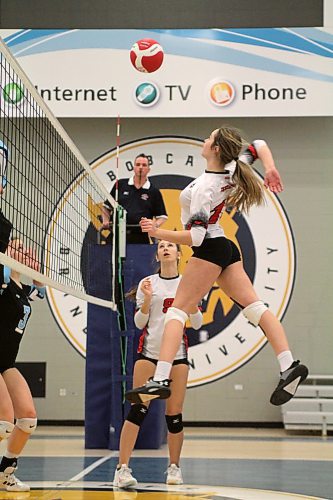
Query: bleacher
{"type": "Point", "coordinates": [312, 406]}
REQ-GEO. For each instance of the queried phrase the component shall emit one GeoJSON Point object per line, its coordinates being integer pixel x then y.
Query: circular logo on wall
{"type": "Point", "coordinates": [226, 340]}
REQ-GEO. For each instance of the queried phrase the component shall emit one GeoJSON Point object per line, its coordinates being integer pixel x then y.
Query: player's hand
{"type": "Point", "coordinates": [16, 250]}
{"type": "Point", "coordinates": [146, 288]}
{"type": "Point", "coordinates": [31, 259]}
{"type": "Point", "coordinates": [272, 181]}
{"type": "Point", "coordinates": [148, 226]}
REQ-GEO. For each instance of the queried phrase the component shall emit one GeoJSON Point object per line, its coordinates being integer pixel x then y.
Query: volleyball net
{"type": "Point", "coordinates": [50, 195]}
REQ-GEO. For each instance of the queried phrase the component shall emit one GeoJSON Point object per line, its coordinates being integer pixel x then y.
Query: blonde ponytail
{"type": "Point", "coordinates": [248, 190]}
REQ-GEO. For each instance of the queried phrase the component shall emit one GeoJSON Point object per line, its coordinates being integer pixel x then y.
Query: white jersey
{"type": "Point", "coordinates": [164, 291]}
{"type": "Point", "coordinates": [203, 200]}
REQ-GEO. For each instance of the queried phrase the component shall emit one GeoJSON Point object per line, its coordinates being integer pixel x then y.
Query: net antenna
{"type": "Point", "coordinates": [51, 195]}
{"type": "Point", "coordinates": [118, 258]}
{"type": "Point", "coordinates": [119, 246]}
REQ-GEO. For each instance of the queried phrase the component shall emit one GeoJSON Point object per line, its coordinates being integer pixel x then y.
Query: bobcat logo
{"type": "Point", "coordinates": [227, 341]}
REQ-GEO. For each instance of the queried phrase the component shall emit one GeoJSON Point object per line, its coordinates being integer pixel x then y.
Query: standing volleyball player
{"type": "Point", "coordinates": [15, 396]}
{"type": "Point", "coordinates": [154, 296]}
{"type": "Point", "coordinates": [227, 181]}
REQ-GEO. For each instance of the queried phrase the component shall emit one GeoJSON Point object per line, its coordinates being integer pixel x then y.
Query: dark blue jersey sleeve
{"type": "Point", "coordinates": [5, 230]}
{"type": "Point", "coordinates": [4, 153]}
{"type": "Point", "coordinates": [4, 277]}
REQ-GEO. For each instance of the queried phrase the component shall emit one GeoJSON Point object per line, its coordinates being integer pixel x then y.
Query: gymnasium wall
{"type": "Point", "coordinates": [302, 150]}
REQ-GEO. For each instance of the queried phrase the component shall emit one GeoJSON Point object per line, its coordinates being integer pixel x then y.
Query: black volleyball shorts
{"type": "Point", "coordinates": [219, 251]}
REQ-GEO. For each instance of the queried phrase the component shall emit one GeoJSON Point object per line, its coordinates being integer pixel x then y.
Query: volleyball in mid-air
{"type": "Point", "coordinates": [146, 55]}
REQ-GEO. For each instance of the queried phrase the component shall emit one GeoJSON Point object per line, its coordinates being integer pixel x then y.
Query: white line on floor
{"type": "Point", "coordinates": [92, 467]}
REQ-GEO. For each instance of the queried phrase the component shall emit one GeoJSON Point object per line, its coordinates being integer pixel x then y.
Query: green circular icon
{"type": "Point", "coordinates": [13, 93]}
{"type": "Point", "coordinates": [147, 94]}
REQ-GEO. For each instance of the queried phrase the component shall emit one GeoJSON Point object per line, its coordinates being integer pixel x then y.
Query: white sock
{"type": "Point", "coordinates": [162, 371]}
{"type": "Point", "coordinates": [285, 359]}
{"type": "Point", "coordinates": [8, 454]}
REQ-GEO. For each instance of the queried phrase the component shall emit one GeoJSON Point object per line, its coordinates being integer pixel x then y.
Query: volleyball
{"type": "Point", "coordinates": [146, 55]}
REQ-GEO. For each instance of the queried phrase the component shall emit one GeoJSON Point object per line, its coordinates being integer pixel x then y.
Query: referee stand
{"type": "Point", "coordinates": [110, 358]}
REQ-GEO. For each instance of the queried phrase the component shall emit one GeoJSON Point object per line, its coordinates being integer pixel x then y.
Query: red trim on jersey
{"type": "Point", "coordinates": [216, 213]}
{"type": "Point", "coordinates": [196, 222]}
{"type": "Point", "coordinates": [185, 338]}
{"type": "Point", "coordinates": [142, 339]}
{"type": "Point", "coordinates": [253, 151]}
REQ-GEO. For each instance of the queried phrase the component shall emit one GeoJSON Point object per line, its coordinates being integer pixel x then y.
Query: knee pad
{"type": "Point", "coordinates": [6, 428]}
{"type": "Point", "coordinates": [178, 314]}
{"type": "Point", "coordinates": [174, 423]}
{"type": "Point", "coordinates": [27, 425]}
{"type": "Point", "coordinates": [137, 414]}
{"type": "Point", "coordinates": [254, 311]}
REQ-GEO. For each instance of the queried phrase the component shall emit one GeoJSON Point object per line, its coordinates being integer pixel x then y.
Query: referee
{"type": "Point", "coordinates": [140, 199]}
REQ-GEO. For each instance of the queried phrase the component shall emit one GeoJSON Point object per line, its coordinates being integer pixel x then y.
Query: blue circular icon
{"type": "Point", "coordinates": [147, 94]}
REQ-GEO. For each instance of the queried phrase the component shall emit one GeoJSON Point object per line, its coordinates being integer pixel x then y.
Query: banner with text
{"type": "Point", "coordinates": [177, 73]}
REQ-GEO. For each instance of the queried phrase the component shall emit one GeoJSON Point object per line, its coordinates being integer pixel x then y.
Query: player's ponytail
{"type": "Point", "coordinates": [131, 294]}
{"type": "Point", "coordinates": [248, 191]}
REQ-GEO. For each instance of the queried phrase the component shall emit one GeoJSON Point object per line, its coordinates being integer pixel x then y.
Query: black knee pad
{"type": "Point", "coordinates": [137, 414]}
{"type": "Point", "coordinates": [174, 423]}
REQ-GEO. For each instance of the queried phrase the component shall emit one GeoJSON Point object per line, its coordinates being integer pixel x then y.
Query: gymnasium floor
{"type": "Point", "coordinates": [217, 464]}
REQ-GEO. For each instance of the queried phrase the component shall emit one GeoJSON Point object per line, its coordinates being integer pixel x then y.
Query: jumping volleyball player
{"type": "Point", "coordinates": [15, 396]}
{"type": "Point", "coordinates": [154, 297]}
{"type": "Point", "coordinates": [227, 181]}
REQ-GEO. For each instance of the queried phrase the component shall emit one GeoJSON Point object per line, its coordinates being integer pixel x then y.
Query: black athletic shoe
{"type": "Point", "coordinates": [289, 381]}
{"type": "Point", "coordinates": [152, 389]}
